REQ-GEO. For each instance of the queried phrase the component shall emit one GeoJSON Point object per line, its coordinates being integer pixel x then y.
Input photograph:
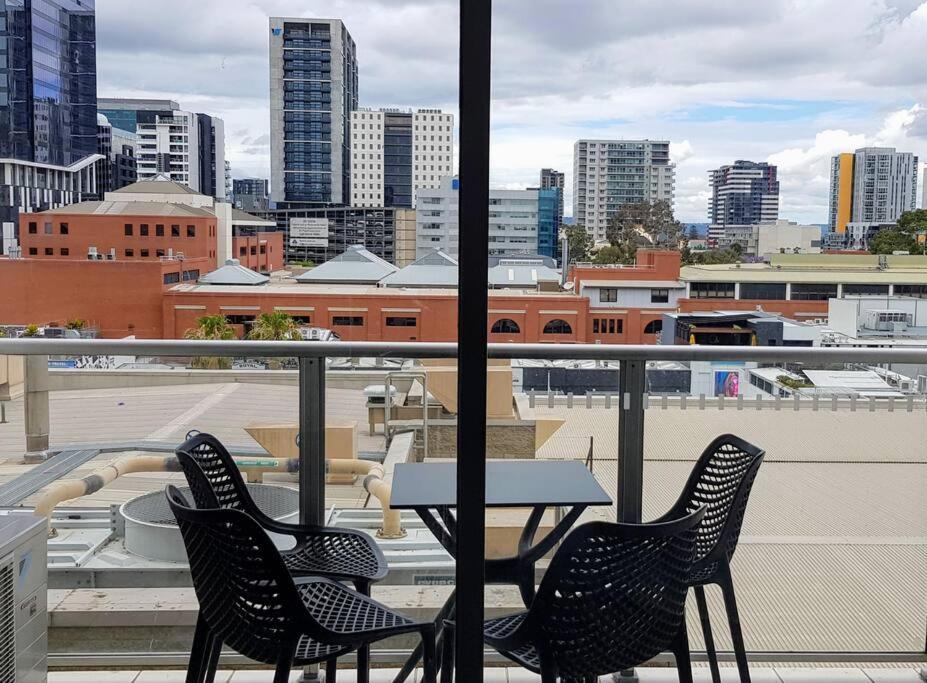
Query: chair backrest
{"type": "Point", "coordinates": [721, 482]}
{"type": "Point", "coordinates": [614, 595]}
{"type": "Point", "coordinates": [245, 593]}
{"type": "Point", "coordinates": [224, 477]}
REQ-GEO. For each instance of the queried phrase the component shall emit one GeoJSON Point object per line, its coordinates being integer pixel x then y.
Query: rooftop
{"type": "Point", "coordinates": [233, 273]}
{"type": "Point", "coordinates": [354, 266]}
{"type": "Point", "coordinates": [435, 269]}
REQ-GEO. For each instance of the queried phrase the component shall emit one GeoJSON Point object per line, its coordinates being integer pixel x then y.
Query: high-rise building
{"type": "Point", "coordinates": [513, 220]}
{"type": "Point", "coordinates": [48, 107]}
{"type": "Point", "coordinates": [871, 187]}
{"type": "Point", "coordinates": [122, 112]}
{"type": "Point", "coordinates": [552, 179]}
{"type": "Point", "coordinates": [609, 173]}
{"type": "Point", "coordinates": [48, 77]}
{"type": "Point", "coordinates": [250, 194]}
{"type": "Point", "coordinates": [743, 193]}
{"type": "Point", "coordinates": [187, 147]}
{"type": "Point", "coordinates": [313, 90]}
{"type": "Point", "coordinates": [118, 168]}
{"type": "Point", "coordinates": [396, 153]}
{"type": "Point", "coordinates": [550, 216]}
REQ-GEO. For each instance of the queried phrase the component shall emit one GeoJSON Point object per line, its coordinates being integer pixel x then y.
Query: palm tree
{"type": "Point", "coordinates": [276, 326]}
{"type": "Point", "coordinates": [216, 328]}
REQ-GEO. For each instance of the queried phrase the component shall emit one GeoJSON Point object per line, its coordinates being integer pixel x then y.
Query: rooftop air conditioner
{"type": "Point", "coordinates": [922, 384]}
{"type": "Point", "coordinates": [23, 599]}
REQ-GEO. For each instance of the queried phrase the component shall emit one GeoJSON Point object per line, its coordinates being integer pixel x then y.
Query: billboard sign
{"type": "Point", "coordinates": [308, 242]}
{"type": "Point", "coordinates": [308, 232]}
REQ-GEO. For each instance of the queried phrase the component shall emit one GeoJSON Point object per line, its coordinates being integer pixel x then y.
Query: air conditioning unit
{"type": "Point", "coordinates": [92, 254]}
{"type": "Point", "coordinates": [922, 384]}
{"type": "Point", "coordinates": [23, 599]}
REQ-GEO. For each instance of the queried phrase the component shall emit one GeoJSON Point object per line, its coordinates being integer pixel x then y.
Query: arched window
{"type": "Point", "coordinates": [558, 326]}
{"type": "Point", "coordinates": [505, 326]}
{"type": "Point", "coordinates": [654, 327]}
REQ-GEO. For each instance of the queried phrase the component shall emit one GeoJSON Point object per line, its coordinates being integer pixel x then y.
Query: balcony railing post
{"type": "Point", "coordinates": [312, 440]}
{"type": "Point", "coordinates": [631, 385]}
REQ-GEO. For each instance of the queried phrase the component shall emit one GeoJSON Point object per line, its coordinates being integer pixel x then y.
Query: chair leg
{"type": "Point", "coordinates": [212, 661]}
{"type": "Point", "coordinates": [681, 652]}
{"type": "Point", "coordinates": [284, 663]}
{"type": "Point", "coordinates": [706, 630]}
{"type": "Point", "coordinates": [199, 652]}
{"type": "Point", "coordinates": [733, 618]}
{"type": "Point", "coordinates": [331, 671]}
{"type": "Point", "coordinates": [363, 652]}
{"type": "Point", "coordinates": [447, 653]}
{"type": "Point", "coordinates": [430, 670]}
{"type": "Point", "coordinates": [548, 675]}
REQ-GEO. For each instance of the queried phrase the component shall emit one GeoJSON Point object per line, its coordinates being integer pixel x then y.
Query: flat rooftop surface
{"type": "Point", "coordinates": [833, 556]}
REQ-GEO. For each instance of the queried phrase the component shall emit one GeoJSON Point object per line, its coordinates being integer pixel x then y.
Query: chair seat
{"type": "Point", "coordinates": [701, 573]}
{"type": "Point", "coordinates": [496, 630]}
{"type": "Point", "coordinates": [310, 651]}
{"type": "Point", "coordinates": [342, 610]}
{"type": "Point", "coordinates": [345, 555]}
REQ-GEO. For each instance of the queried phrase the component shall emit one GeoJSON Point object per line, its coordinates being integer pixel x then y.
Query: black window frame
{"type": "Point", "coordinates": [660, 295]}
{"type": "Point", "coordinates": [763, 291]}
{"type": "Point", "coordinates": [128, 229]}
{"type": "Point", "coordinates": [354, 321]}
{"type": "Point", "coordinates": [611, 297]}
{"type": "Point", "coordinates": [401, 321]}
{"type": "Point", "coordinates": [712, 290]}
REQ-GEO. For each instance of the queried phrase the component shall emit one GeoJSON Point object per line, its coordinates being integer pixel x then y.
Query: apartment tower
{"type": "Point", "coordinates": [313, 91]}
{"type": "Point", "coordinates": [742, 193]}
{"type": "Point", "coordinates": [396, 153]}
{"type": "Point", "coordinates": [610, 173]}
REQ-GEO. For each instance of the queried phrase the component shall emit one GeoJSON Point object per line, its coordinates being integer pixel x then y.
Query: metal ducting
{"type": "Point", "coordinates": [152, 533]}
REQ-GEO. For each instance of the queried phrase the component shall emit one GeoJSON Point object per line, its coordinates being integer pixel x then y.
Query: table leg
{"type": "Point", "coordinates": [447, 611]}
{"type": "Point", "coordinates": [447, 537]}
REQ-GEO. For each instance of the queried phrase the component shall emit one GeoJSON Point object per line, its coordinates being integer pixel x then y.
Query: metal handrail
{"type": "Point", "coordinates": [343, 349]}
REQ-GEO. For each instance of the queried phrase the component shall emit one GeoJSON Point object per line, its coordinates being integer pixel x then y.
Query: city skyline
{"type": "Point", "coordinates": [792, 102]}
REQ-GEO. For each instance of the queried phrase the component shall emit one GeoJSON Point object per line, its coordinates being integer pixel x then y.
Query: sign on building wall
{"type": "Point", "coordinates": [308, 232]}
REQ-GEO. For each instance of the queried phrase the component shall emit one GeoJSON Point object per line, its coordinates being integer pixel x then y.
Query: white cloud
{"type": "Point", "coordinates": [784, 79]}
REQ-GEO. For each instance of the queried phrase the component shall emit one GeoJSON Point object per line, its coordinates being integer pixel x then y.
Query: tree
{"type": "Point", "coordinates": [31, 330]}
{"type": "Point", "coordinates": [276, 326]}
{"type": "Point", "coordinates": [904, 236]}
{"type": "Point", "coordinates": [612, 254]}
{"type": "Point", "coordinates": [646, 224]}
{"type": "Point", "coordinates": [214, 328]}
{"type": "Point", "coordinates": [76, 324]}
{"type": "Point", "coordinates": [890, 240]}
{"type": "Point", "coordinates": [579, 243]}
{"type": "Point", "coordinates": [714, 256]}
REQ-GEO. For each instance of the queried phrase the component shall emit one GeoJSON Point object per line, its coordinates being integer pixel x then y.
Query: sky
{"type": "Point", "coordinates": [791, 82]}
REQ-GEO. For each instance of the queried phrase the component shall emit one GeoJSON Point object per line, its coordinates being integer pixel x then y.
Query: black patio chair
{"type": "Point", "coordinates": [330, 552]}
{"type": "Point", "coordinates": [249, 601]}
{"type": "Point", "coordinates": [721, 482]}
{"type": "Point", "coordinates": [612, 598]}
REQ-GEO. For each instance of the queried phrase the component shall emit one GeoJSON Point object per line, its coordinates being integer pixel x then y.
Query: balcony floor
{"type": "Point", "coordinates": [778, 674]}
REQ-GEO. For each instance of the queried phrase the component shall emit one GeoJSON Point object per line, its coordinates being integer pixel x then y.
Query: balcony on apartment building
{"type": "Point", "coordinates": [829, 569]}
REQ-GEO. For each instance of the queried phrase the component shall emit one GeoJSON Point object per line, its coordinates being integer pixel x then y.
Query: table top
{"type": "Point", "coordinates": [509, 483]}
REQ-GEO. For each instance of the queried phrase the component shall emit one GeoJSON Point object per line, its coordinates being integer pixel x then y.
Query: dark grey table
{"type": "Point", "coordinates": [431, 490]}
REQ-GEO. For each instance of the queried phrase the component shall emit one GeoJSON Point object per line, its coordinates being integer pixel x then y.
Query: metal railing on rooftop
{"type": "Point", "coordinates": [631, 400]}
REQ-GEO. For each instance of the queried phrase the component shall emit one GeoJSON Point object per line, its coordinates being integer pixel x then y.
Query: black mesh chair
{"type": "Point", "coordinates": [612, 598]}
{"type": "Point", "coordinates": [720, 482]}
{"type": "Point", "coordinates": [250, 602]}
{"type": "Point", "coordinates": [330, 552]}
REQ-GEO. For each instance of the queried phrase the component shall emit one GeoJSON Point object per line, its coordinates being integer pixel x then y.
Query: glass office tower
{"type": "Point", "coordinates": [313, 90]}
{"type": "Point", "coordinates": [48, 82]}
